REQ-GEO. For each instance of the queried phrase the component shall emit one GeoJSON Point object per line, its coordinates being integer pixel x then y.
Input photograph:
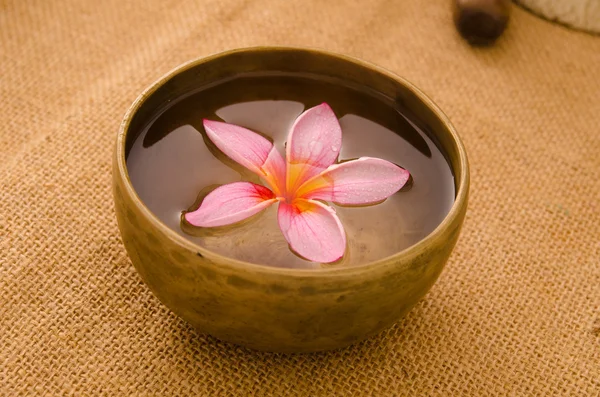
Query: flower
{"type": "Point", "coordinates": [307, 177]}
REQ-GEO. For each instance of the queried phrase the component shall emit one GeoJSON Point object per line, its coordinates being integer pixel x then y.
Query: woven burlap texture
{"type": "Point", "coordinates": [516, 311]}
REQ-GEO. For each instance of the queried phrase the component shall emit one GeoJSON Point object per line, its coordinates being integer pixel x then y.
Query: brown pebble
{"type": "Point", "coordinates": [481, 22]}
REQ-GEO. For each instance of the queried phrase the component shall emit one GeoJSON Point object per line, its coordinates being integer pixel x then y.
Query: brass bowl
{"type": "Point", "coordinates": [272, 308]}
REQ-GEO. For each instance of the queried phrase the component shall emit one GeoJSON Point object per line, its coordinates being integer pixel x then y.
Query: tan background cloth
{"type": "Point", "coordinates": [516, 311]}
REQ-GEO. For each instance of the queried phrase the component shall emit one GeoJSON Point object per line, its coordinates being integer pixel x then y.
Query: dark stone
{"type": "Point", "coordinates": [481, 22]}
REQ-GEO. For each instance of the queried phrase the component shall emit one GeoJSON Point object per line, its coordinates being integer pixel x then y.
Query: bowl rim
{"type": "Point", "coordinates": [451, 217]}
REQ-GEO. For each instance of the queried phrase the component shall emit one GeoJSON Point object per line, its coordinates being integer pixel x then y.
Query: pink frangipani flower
{"type": "Point", "coordinates": [308, 176]}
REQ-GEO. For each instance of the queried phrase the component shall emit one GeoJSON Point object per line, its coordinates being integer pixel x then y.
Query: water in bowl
{"type": "Point", "coordinates": [171, 164]}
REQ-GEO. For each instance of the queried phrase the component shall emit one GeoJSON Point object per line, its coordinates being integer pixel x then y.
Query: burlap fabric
{"type": "Point", "coordinates": [516, 312]}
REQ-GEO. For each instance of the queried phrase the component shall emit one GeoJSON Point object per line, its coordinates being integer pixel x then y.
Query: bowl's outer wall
{"type": "Point", "coordinates": [275, 309]}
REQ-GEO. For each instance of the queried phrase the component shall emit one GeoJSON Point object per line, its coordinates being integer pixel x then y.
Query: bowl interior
{"type": "Point", "coordinates": [336, 70]}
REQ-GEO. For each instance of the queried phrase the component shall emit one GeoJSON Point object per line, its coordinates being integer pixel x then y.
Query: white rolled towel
{"type": "Point", "coordinates": [579, 14]}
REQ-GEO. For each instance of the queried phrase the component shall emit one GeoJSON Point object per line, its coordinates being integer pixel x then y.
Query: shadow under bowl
{"type": "Point", "coordinates": [276, 308]}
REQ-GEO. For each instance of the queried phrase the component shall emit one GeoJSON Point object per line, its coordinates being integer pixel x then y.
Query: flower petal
{"type": "Point", "coordinates": [313, 230]}
{"type": "Point", "coordinates": [313, 145]}
{"type": "Point", "coordinates": [231, 203]}
{"type": "Point", "coordinates": [358, 182]}
{"type": "Point", "coordinates": [249, 149]}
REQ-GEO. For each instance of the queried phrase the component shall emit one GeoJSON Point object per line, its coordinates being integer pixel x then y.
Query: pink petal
{"type": "Point", "coordinates": [313, 144]}
{"type": "Point", "coordinates": [313, 230]}
{"type": "Point", "coordinates": [358, 182]}
{"type": "Point", "coordinates": [231, 203]}
{"type": "Point", "coordinates": [250, 150]}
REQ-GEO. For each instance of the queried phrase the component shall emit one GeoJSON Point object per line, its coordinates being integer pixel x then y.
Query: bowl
{"type": "Point", "coordinates": [275, 308]}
